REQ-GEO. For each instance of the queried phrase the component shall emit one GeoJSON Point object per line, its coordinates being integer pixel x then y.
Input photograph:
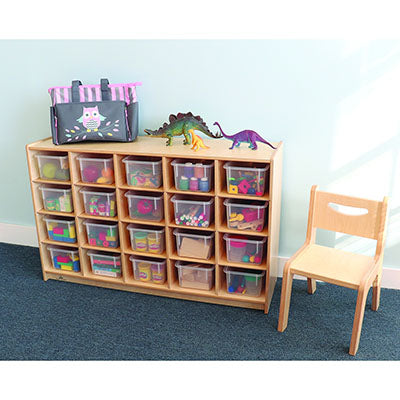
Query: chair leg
{"type": "Point", "coordinates": [358, 320]}
{"type": "Point", "coordinates": [287, 280]}
{"type": "Point", "coordinates": [311, 286]}
{"type": "Point", "coordinates": [376, 292]}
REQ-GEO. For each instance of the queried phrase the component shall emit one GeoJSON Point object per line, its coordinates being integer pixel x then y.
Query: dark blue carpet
{"type": "Point", "coordinates": [63, 321]}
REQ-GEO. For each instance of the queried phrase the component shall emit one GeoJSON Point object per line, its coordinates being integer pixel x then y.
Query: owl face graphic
{"type": "Point", "coordinates": [91, 118]}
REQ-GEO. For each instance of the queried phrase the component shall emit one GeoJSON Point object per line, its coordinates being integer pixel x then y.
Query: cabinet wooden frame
{"type": "Point", "coordinates": [153, 147]}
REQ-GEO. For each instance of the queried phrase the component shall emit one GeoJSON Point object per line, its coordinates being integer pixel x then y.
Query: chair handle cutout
{"type": "Point", "coordinates": [348, 210]}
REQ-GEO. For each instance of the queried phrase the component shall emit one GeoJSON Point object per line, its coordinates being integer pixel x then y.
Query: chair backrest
{"type": "Point", "coordinates": [322, 214]}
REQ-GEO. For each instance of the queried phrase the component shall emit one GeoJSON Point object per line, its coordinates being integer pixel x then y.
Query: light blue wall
{"type": "Point", "coordinates": [335, 104]}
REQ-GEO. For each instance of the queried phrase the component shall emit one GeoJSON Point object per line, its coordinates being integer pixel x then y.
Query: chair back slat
{"type": "Point", "coordinates": [367, 225]}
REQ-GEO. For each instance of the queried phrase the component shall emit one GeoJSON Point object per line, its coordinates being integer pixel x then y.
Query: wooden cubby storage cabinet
{"type": "Point", "coordinates": [143, 147]}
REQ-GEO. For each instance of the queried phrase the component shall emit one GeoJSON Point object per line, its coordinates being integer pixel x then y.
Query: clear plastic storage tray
{"type": "Point", "coordinates": [244, 282]}
{"type": "Point", "coordinates": [102, 234]}
{"type": "Point", "coordinates": [53, 166]}
{"type": "Point", "coordinates": [61, 229]}
{"type": "Point", "coordinates": [99, 202]}
{"type": "Point", "coordinates": [243, 179]}
{"type": "Point", "coordinates": [195, 276]}
{"type": "Point", "coordinates": [96, 169]}
{"type": "Point", "coordinates": [64, 259]}
{"type": "Point", "coordinates": [245, 214]}
{"type": "Point", "coordinates": [146, 174]}
{"type": "Point", "coordinates": [105, 264]}
{"type": "Point", "coordinates": [149, 270]}
{"type": "Point", "coordinates": [244, 249]}
{"type": "Point", "coordinates": [146, 239]}
{"type": "Point", "coordinates": [194, 211]}
{"type": "Point", "coordinates": [194, 244]}
{"type": "Point", "coordinates": [57, 198]}
{"type": "Point", "coordinates": [145, 206]}
{"type": "Point", "coordinates": [193, 176]}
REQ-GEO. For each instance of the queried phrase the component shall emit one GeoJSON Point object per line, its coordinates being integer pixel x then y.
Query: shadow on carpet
{"type": "Point", "coordinates": [64, 321]}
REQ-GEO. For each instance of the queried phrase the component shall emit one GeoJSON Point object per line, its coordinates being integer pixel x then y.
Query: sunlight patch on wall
{"type": "Point", "coordinates": [367, 119]}
{"type": "Point", "coordinates": [371, 179]}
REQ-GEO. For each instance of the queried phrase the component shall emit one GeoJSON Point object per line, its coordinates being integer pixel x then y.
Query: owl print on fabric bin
{"type": "Point", "coordinates": [92, 119]}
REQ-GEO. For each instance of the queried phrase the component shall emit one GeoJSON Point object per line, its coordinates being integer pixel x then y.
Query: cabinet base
{"type": "Point", "coordinates": [156, 292]}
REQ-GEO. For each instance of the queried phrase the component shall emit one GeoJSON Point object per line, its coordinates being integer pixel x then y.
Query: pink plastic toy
{"type": "Point", "coordinates": [91, 173]}
{"type": "Point", "coordinates": [244, 186]}
{"type": "Point", "coordinates": [145, 206]}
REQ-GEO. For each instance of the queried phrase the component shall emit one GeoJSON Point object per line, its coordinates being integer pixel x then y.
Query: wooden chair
{"type": "Point", "coordinates": [337, 266]}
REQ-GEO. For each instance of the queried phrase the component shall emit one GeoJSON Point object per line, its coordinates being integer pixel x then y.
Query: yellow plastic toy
{"type": "Point", "coordinates": [197, 142]}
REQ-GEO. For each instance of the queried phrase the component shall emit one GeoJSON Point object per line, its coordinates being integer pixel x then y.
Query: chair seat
{"type": "Point", "coordinates": [332, 265]}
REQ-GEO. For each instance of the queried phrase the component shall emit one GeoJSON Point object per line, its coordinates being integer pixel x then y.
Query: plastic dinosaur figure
{"type": "Point", "coordinates": [197, 142]}
{"type": "Point", "coordinates": [182, 124]}
{"type": "Point", "coordinates": [245, 136]}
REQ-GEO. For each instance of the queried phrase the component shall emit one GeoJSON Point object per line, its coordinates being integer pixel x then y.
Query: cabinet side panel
{"type": "Point", "coordinates": [36, 206]}
{"type": "Point", "coordinates": [275, 190]}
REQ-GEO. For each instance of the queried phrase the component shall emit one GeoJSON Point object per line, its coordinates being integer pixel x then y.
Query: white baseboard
{"type": "Point", "coordinates": [18, 234]}
{"type": "Point", "coordinates": [26, 236]}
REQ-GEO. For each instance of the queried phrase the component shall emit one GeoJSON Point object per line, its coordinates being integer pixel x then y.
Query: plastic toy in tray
{"type": "Point", "coordinates": [105, 264]}
{"type": "Point", "coordinates": [244, 282]}
{"type": "Point", "coordinates": [243, 179]}
{"type": "Point", "coordinates": [193, 211]}
{"type": "Point", "coordinates": [147, 174]}
{"type": "Point", "coordinates": [245, 214]}
{"type": "Point", "coordinates": [64, 258]}
{"type": "Point", "coordinates": [102, 234]}
{"type": "Point", "coordinates": [57, 198]}
{"type": "Point", "coordinates": [61, 230]}
{"type": "Point", "coordinates": [53, 166]}
{"type": "Point", "coordinates": [196, 177]}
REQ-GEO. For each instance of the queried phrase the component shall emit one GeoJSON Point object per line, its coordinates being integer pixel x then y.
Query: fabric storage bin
{"type": "Point", "coordinates": [99, 202]}
{"type": "Point", "coordinates": [64, 258]}
{"type": "Point", "coordinates": [96, 169]}
{"type": "Point", "coordinates": [104, 234]}
{"type": "Point", "coordinates": [61, 229]}
{"type": "Point", "coordinates": [195, 276]}
{"type": "Point", "coordinates": [105, 264]}
{"type": "Point", "coordinates": [194, 244]}
{"type": "Point", "coordinates": [244, 179]}
{"type": "Point", "coordinates": [193, 176]}
{"type": "Point", "coordinates": [193, 211]}
{"type": "Point", "coordinates": [244, 249]}
{"type": "Point", "coordinates": [242, 281]}
{"type": "Point", "coordinates": [146, 239]}
{"type": "Point", "coordinates": [146, 174]}
{"type": "Point", "coordinates": [145, 207]}
{"type": "Point", "coordinates": [57, 198]}
{"type": "Point", "coordinates": [53, 166]}
{"type": "Point", "coordinates": [245, 214]}
{"type": "Point", "coordinates": [149, 270]}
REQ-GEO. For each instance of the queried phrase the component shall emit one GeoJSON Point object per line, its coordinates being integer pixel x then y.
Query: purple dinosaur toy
{"type": "Point", "coordinates": [245, 136]}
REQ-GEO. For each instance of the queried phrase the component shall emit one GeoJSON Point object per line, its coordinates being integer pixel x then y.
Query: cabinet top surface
{"type": "Point", "coordinates": [150, 146]}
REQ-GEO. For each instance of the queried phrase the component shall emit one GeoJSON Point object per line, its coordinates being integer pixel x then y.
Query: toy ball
{"type": "Point", "coordinates": [257, 260]}
{"type": "Point", "coordinates": [246, 259]}
{"type": "Point", "coordinates": [145, 206]}
{"type": "Point", "coordinates": [90, 173]}
{"type": "Point", "coordinates": [107, 173]}
{"type": "Point", "coordinates": [49, 170]}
